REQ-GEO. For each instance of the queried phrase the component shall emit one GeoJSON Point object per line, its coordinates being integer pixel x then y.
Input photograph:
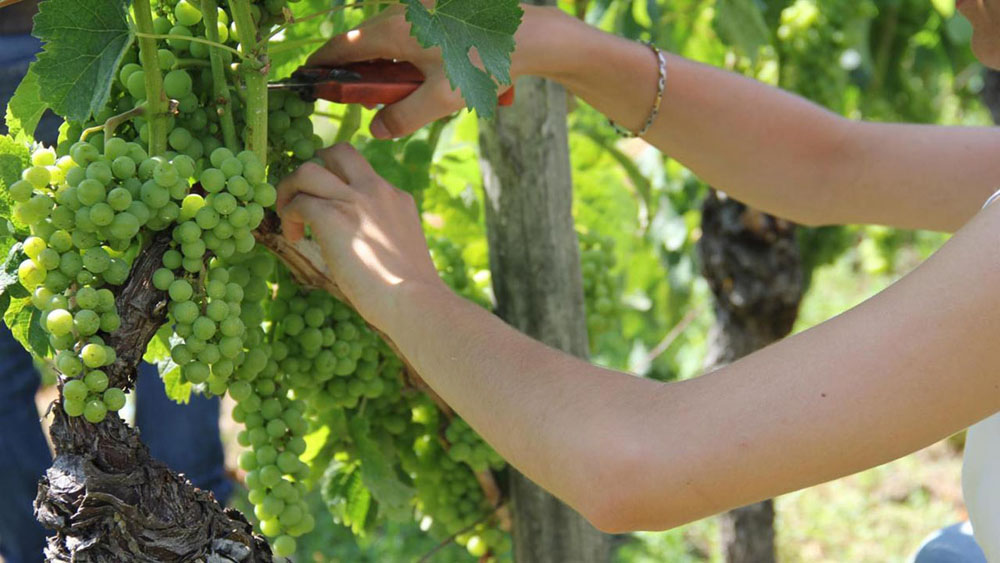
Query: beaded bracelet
{"type": "Point", "coordinates": [661, 86]}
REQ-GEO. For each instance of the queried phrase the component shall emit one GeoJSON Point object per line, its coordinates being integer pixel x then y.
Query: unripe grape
{"type": "Point", "coordinates": [95, 411]}
{"type": "Point", "coordinates": [114, 399]}
{"type": "Point", "coordinates": [75, 390]}
{"type": "Point", "coordinates": [74, 408]}
{"type": "Point", "coordinates": [93, 355]}
{"type": "Point", "coordinates": [21, 191]}
{"type": "Point", "coordinates": [97, 380]}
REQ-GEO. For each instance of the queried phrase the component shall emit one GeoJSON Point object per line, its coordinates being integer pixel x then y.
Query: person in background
{"type": "Point", "coordinates": [185, 437]}
{"type": "Point", "coordinates": [908, 367]}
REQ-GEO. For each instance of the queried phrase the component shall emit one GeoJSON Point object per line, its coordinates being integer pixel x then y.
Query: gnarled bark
{"type": "Point", "coordinates": [104, 496]}
{"type": "Point", "coordinates": [534, 258]}
{"type": "Point", "coordinates": [752, 263]}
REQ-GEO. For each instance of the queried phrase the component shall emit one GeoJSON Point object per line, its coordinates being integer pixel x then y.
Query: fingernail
{"type": "Point", "coordinates": [379, 130]}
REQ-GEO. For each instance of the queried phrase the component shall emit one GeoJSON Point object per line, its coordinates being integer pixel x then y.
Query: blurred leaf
{"type": "Point", "coordinates": [741, 24]}
{"type": "Point", "coordinates": [377, 472]}
{"type": "Point", "coordinates": [25, 108]}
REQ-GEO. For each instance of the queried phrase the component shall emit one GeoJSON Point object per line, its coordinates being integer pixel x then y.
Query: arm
{"type": "Point", "coordinates": [770, 149]}
{"type": "Point", "coordinates": [906, 368]}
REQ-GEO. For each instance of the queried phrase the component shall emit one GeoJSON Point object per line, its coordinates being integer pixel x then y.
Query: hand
{"type": "Point", "coordinates": [369, 231]}
{"type": "Point", "coordinates": [387, 36]}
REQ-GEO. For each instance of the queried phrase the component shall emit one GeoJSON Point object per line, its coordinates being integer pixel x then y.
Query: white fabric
{"type": "Point", "coordinates": [994, 197]}
{"type": "Point", "coordinates": [981, 484]}
{"type": "Point", "coordinates": [980, 473]}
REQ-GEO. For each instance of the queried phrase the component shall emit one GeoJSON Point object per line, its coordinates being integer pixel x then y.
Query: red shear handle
{"type": "Point", "coordinates": [381, 82]}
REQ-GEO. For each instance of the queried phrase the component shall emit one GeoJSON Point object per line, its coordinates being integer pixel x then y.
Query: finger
{"type": "Point", "coordinates": [312, 179]}
{"type": "Point", "coordinates": [432, 101]}
{"type": "Point", "coordinates": [365, 43]}
{"type": "Point", "coordinates": [346, 162]}
{"type": "Point", "coordinates": [302, 210]}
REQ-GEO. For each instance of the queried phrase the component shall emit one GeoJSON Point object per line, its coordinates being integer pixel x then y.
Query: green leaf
{"type": "Point", "coordinates": [25, 109]}
{"type": "Point", "coordinates": [346, 497]}
{"type": "Point", "coordinates": [15, 156]}
{"type": "Point", "coordinates": [158, 353]}
{"type": "Point", "coordinates": [458, 26]}
{"type": "Point", "coordinates": [24, 321]}
{"type": "Point", "coordinates": [740, 23]}
{"type": "Point", "coordinates": [10, 285]}
{"type": "Point", "coordinates": [84, 44]}
{"type": "Point", "coordinates": [377, 473]}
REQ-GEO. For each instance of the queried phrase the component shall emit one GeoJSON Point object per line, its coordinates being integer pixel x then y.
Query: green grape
{"type": "Point", "coordinates": [95, 411]}
{"type": "Point", "coordinates": [86, 322]}
{"type": "Point", "coordinates": [284, 546]}
{"type": "Point", "coordinates": [120, 199]}
{"type": "Point", "coordinates": [21, 191]}
{"type": "Point", "coordinates": [74, 408]}
{"type": "Point", "coordinates": [38, 176]}
{"type": "Point", "coordinates": [99, 171]}
{"type": "Point", "coordinates": [178, 44]}
{"type": "Point", "coordinates": [162, 278]}
{"type": "Point", "coordinates": [213, 180]}
{"type": "Point", "coordinates": [180, 290]}
{"type": "Point", "coordinates": [136, 86]}
{"type": "Point", "coordinates": [96, 381]}
{"type": "Point", "coordinates": [75, 390]}
{"type": "Point", "coordinates": [114, 399]}
{"type": "Point", "coordinates": [93, 355]}
{"type": "Point", "coordinates": [59, 322]}
{"type": "Point", "coordinates": [166, 58]}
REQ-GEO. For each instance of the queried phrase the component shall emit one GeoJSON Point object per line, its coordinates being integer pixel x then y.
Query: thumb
{"type": "Point", "coordinates": [432, 101]}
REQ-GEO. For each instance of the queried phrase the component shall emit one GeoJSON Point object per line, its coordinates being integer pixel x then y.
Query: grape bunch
{"type": "Point", "coordinates": [819, 44]}
{"type": "Point", "coordinates": [466, 446]}
{"type": "Point", "coordinates": [601, 285]}
{"type": "Point", "coordinates": [448, 261]}
{"type": "Point", "coordinates": [448, 495]}
{"type": "Point", "coordinates": [291, 139]}
{"type": "Point", "coordinates": [85, 211]}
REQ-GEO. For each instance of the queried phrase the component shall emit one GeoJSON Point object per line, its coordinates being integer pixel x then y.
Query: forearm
{"type": "Point", "coordinates": [768, 148]}
{"type": "Point", "coordinates": [553, 416]}
{"type": "Point", "coordinates": [908, 367]}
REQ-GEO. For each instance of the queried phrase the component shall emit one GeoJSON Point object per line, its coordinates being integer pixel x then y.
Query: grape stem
{"type": "Point", "coordinates": [210, 9]}
{"type": "Point", "coordinates": [255, 78]}
{"type": "Point", "coordinates": [191, 63]}
{"type": "Point", "coordinates": [447, 541]}
{"type": "Point", "coordinates": [292, 20]}
{"type": "Point", "coordinates": [112, 123]}
{"type": "Point", "coordinates": [156, 98]}
{"type": "Point", "coordinates": [144, 35]}
{"type": "Point", "coordinates": [349, 124]}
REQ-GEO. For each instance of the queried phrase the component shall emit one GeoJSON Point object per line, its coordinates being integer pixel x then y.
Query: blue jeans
{"type": "Point", "coordinates": [953, 544]}
{"type": "Point", "coordinates": [16, 53]}
{"type": "Point", "coordinates": [185, 437]}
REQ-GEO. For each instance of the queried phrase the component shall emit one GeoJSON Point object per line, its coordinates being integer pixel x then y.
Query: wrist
{"type": "Point", "coordinates": [544, 43]}
{"type": "Point", "coordinates": [406, 303]}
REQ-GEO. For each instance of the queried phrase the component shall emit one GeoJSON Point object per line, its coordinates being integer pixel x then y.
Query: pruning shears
{"type": "Point", "coordinates": [369, 83]}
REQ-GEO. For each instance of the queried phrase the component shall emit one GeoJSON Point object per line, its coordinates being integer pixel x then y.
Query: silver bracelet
{"type": "Point", "coordinates": [993, 198]}
{"type": "Point", "coordinates": [660, 88]}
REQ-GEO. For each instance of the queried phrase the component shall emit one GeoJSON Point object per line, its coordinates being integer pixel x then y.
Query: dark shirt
{"type": "Point", "coordinates": [16, 19]}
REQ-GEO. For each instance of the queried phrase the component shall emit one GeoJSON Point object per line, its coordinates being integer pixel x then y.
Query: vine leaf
{"type": "Point", "coordinates": [85, 41]}
{"type": "Point", "coordinates": [377, 473]}
{"type": "Point", "coordinates": [24, 321]}
{"type": "Point", "coordinates": [10, 285]}
{"type": "Point", "coordinates": [741, 24]}
{"type": "Point", "coordinates": [458, 26]}
{"type": "Point", "coordinates": [26, 107]}
{"type": "Point", "coordinates": [346, 496]}
{"type": "Point", "coordinates": [14, 157]}
{"type": "Point", "coordinates": [158, 354]}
